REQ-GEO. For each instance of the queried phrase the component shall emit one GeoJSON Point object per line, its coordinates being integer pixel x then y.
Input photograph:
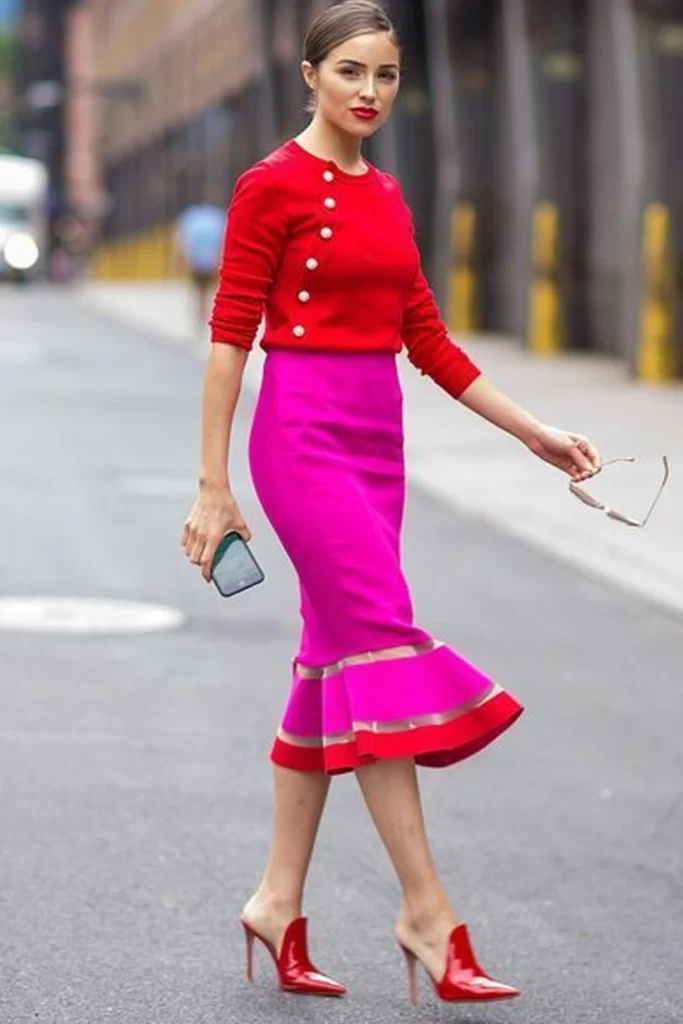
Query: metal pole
{"type": "Point", "coordinates": [632, 166]}
{"type": "Point", "coordinates": [447, 171]}
{"type": "Point", "coordinates": [266, 129]}
{"type": "Point", "coordinates": [525, 161]}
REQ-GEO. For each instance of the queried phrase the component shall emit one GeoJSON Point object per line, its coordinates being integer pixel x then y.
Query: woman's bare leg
{"type": "Point", "coordinates": [426, 918]}
{"type": "Point", "coordinates": [299, 801]}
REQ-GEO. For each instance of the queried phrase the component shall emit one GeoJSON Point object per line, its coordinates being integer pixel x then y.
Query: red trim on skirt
{"type": "Point", "coordinates": [433, 746]}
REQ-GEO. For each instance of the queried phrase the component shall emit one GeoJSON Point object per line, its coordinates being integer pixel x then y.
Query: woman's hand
{"type": "Point", "coordinates": [215, 513]}
{"type": "Point", "coordinates": [572, 453]}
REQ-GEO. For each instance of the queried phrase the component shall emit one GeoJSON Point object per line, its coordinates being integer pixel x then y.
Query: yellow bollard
{"type": "Point", "coordinates": [159, 260]}
{"type": "Point", "coordinates": [98, 263]}
{"type": "Point", "coordinates": [545, 333]}
{"type": "Point", "coordinates": [170, 263]}
{"type": "Point", "coordinates": [462, 279]}
{"type": "Point", "coordinates": [656, 355]}
{"type": "Point", "coordinates": [143, 246]}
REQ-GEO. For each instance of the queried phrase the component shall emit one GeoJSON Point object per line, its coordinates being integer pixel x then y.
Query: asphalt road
{"type": "Point", "coordinates": [134, 774]}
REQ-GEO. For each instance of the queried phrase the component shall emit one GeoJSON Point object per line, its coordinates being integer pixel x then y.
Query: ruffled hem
{"type": "Point", "coordinates": [433, 746]}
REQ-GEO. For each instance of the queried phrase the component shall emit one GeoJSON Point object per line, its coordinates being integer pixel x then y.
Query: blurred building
{"type": "Point", "coordinates": [219, 86]}
{"type": "Point", "coordinates": [187, 128]}
{"type": "Point", "coordinates": [537, 142]}
{"type": "Point", "coordinates": [39, 85]}
{"type": "Point", "coordinates": [8, 13]}
{"type": "Point", "coordinates": [83, 93]}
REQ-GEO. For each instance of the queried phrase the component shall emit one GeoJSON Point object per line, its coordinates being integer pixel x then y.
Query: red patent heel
{"type": "Point", "coordinates": [296, 972]}
{"type": "Point", "coordinates": [464, 981]}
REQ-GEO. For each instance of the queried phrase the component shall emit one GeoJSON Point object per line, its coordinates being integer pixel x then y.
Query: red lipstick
{"type": "Point", "coordinates": [364, 113]}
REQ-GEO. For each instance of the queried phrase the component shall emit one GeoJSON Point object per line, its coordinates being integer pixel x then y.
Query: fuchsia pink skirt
{"type": "Point", "coordinates": [327, 461]}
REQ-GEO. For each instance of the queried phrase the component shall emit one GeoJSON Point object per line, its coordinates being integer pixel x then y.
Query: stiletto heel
{"type": "Point", "coordinates": [411, 964]}
{"type": "Point", "coordinates": [296, 972]}
{"type": "Point", "coordinates": [464, 980]}
{"type": "Point", "coordinates": [249, 936]}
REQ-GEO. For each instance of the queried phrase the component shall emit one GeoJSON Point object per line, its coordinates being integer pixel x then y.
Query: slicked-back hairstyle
{"type": "Point", "coordinates": [341, 22]}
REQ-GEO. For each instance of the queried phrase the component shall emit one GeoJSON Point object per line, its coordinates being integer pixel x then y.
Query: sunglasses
{"type": "Point", "coordinates": [589, 500]}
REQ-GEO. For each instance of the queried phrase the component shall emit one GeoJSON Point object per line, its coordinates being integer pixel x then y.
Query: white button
{"type": "Point", "coordinates": [303, 296]}
{"type": "Point", "coordinates": [326, 233]}
{"type": "Point", "coordinates": [330, 203]}
{"type": "Point", "coordinates": [311, 264]}
{"type": "Point", "coordinates": [328, 176]}
{"type": "Point", "coordinates": [299, 331]}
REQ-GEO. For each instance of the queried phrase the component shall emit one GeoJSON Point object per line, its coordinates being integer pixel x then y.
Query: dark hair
{"type": "Point", "coordinates": [341, 22]}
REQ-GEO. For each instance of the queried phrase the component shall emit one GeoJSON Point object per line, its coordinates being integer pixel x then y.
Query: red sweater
{"type": "Point", "coordinates": [333, 259]}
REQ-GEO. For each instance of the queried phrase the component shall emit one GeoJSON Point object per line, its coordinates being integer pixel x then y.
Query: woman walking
{"type": "Point", "coordinates": [324, 241]}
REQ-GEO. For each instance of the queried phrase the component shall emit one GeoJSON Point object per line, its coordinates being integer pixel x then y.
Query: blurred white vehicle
{"type": "Point", "coordinates": [23, 222]}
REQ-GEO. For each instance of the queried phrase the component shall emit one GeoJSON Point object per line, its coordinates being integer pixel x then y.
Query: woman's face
{"type": "Point", "coordinates": [357, 83]}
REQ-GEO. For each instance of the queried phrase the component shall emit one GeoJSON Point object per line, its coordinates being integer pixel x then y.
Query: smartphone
{"type": "Point", "coordinates": [234, 568]}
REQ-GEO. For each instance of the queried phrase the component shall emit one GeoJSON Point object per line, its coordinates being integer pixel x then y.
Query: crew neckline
{"type": "Point", "coordinates": [339, 172]}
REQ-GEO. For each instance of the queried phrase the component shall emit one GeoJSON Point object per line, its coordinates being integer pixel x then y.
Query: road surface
{"type": "Point", "coordinates": [133, 766]}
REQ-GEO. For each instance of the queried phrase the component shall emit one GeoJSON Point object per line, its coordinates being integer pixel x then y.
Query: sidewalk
{"type": "Point", "coordinates": [468, 463]}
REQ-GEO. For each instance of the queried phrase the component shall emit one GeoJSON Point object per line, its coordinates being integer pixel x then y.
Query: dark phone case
{"type": "Point", "coordinates": [234, 538]}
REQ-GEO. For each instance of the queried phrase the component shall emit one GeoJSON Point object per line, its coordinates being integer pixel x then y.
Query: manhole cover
{"type": "Point", "coordinates": [73, 615]}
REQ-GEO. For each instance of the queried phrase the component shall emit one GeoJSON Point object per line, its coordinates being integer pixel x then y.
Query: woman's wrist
{"type": "Point", "coordinates": [484, 398]}
{"type": "Point", "coordinates": [529, 430]}
{"type": "Point", "coordinates": [213, 483]}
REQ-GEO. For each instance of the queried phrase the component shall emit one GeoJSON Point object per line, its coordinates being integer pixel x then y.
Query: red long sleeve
{"type": "Point", "coordinates": [331, 260]}
{"type": "Point", "coordinates": [426, 338]}
{"type": "Point", "coordinates": [254, 239]}
{"type": "Point", "coordinates": [428, 344]}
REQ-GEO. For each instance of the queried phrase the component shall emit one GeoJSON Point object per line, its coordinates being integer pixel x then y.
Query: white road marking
{"type": "Point", "coordinates": [79, 616]}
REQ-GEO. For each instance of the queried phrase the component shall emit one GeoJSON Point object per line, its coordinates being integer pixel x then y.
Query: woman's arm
{"type": "Point", "coordinates": [428, 345]}
{"type": "Point", "coordinates": [255, 234]}
{"type": "Point", "coordinates": [254, 237]}
{"type": "Point", "coordinates": [222, 385]}
{"type": "Point", "coordinates": [215, 511]}
{"type": "Point", "coordinates": [433, 352]}
{"type": "Point", "coordinates": [570, 452]}
{"type": "Point", "coordinates": [487, 401]}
